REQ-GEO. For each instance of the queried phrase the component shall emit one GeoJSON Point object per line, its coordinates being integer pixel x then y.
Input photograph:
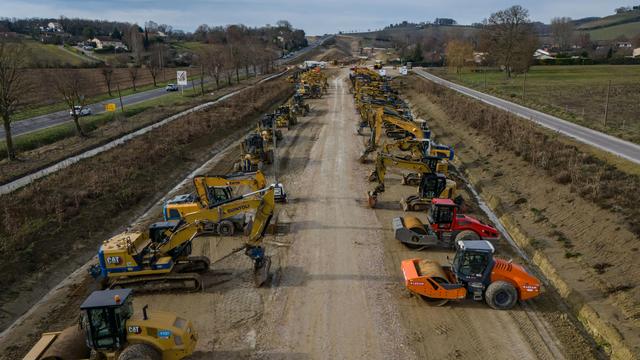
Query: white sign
{"type": "Point", "coordinates": [182, 78]}
{"type": "Point", "coordinates": [404, 71]}
{"type": "Point", "coordinates": [382, 72]}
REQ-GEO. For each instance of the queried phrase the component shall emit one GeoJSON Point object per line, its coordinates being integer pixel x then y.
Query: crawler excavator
{"type": "Point", "coordinates": [433, 184]}
{"type": "Point", "coordinates": [475, 274]}
{"type": "Point", "coordinates": [210, 190]}
{"type": "Point", "coordinates": [108, 329]}
{"type": "Point", "coordinates": [159, 258]}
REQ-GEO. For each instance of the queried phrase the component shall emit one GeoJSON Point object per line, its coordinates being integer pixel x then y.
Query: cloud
{"type": "Point", "coordinates": [315, 17]}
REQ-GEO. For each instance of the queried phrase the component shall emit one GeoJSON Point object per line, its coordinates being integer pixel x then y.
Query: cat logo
{"type": "Point", "coordinates": [134, 330]}
{"type": "Point", "coordinates": [114, 260]}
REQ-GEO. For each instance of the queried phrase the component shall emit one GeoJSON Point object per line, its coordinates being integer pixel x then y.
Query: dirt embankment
{"type": "Point", "coordinates": [57, 222]}
{"type": "Point", "coordinates": [578, 213]}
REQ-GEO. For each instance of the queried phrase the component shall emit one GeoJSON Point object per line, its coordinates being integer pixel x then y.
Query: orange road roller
{"type": "Point", "coordinates": [474, 273]}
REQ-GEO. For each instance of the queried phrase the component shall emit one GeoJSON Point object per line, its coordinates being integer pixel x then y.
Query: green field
{"type": "Point", "coordinates": [41, 54]}
{"type": "Point", "coordinates": [574, 93]}
{"type": "Point", "coordinates": [610, 20]}
{"type": "Point", "coordinates": [629, 30]}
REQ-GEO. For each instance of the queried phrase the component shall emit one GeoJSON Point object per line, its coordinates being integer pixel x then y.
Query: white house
{"type": "Point", "coordinates": [103, 42]}
{"type": "Point", "coordinates": [54, 27]}
{"type": "Point", "coordinates": [542, 55]}
{"type": "Point", "coordinates": [636, 53]}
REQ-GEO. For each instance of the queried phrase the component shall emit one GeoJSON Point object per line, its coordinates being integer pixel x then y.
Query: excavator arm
{"type": "Point", "coordinates": [255, 181]}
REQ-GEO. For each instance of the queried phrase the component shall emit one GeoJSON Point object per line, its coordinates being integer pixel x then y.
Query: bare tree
{"type": "Point", "coordinates": [72, 86]}
{"type": "Point", "coordinates": [213, 61]}
{"type": "Point", "coordinates": [457, 53]}
{"type": "Point", "coordinates": [107, 74]}
{"type": "Point", "coordinates": [133, 70]}
{"type": "Point", "coordinates": [562, 29]}
{"type": "Point", "coordinates": [13, 87]}
{"type": "Point", "coordinates": [154, 65]}
{"type": "Point", "coordinates": [506, 31]}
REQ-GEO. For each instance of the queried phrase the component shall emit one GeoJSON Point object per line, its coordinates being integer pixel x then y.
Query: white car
{"type": "Point", "coordinates": [80, 110]}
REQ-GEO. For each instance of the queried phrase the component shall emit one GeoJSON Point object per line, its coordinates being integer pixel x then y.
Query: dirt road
{"type": "Point", "coordinates": [336, 290]}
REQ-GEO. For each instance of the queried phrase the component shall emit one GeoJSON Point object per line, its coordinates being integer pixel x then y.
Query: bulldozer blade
{"type": "Point", "coordinates": [261, 273]}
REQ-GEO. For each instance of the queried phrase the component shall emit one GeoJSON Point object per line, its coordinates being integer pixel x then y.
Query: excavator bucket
{"type": "Point", "coordinates": [261, 271]}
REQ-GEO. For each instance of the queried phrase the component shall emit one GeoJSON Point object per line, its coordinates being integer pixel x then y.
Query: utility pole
{"type": "Point", "coordinates": [524, 87]}
{"type": "Point", "coordinates": [120, 96]}
{"type": "Point", "coordinates": [606, 105]}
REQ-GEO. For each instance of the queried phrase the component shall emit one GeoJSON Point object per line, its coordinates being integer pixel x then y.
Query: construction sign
{"type": "Point", "coordinates": [110, 107]}
{"type": "Point", "coordinates": [182, 78]}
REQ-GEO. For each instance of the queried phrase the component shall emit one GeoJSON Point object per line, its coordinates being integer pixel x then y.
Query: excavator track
{"type": "Point", "coordinates": [154, 283]}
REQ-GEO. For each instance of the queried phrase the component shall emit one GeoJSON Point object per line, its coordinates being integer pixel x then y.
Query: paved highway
{"type": "Point", "coordinates": [52, 119]}
{"type": "Point", "coordinates": [600, 140]}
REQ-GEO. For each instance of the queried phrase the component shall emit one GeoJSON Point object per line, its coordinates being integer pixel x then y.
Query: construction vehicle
{"type": "Point", "coordinates": [444, 227]}
{"type": "Point", "coordinates": [432, 183]}
{"type": "Point", "coordinates": [211, 190]}
{"type": "Point", "coordinates": [110, 330]}
{"type": "Point", "coordinates": [267, 127]}
{"type": "Point", "coordinates": [159, 258]}
{"type": "Point", "coordinates": [419, 148]}
{"type": "Point", "coordinates": [297, 105]}
{"type": "Point", "coordinates": [256, 152]}
{"type": "Point", "coordinates": [378, 65]}
{"type": "Point", "coordinates": [475, 274]}
{"type": "Point", "coordinates": [285, 117]}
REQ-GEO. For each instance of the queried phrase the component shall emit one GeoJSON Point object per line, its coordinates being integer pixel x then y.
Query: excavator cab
{"type": "Point", "coordinates": [104, 317]}
{"type": "Point", "coordinates": [432, 185]}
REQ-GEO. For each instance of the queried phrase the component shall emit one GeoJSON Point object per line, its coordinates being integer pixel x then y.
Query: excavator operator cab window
{"type": "Point", "coordinates": [431, 186]}
{"type": "Point", "coordinates": [471, 264]}
{"type": "Point", "coordinates": [219, 194]}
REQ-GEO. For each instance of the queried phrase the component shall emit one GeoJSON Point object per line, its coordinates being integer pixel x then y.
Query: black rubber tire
{"type": "Point", "coordinates": [226, 228]}
{"type": "Point", "coordinates": [467, 235]}
{"type": "Point", "coordinates": [140, 352]}
{"type": "Point", "coordinates": [501, 295]}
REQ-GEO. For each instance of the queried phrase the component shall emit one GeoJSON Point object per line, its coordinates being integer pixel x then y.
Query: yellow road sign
{"type": "Point", "coordinates": [110, 107]}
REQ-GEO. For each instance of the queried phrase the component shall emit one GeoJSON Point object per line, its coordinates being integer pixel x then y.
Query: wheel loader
{"type": "Point", "coordinates": [444, 227]}
{"type": "Point", "coordinates": [210, 190]}
{"type": "Point", "coordinates": [256, 152]}
{"type": "Point", "coordinates": [474, 274]}
{"type": "Point", "coordinates": [159, 258]}
{"type": "Point", "coordinates": [110, 330]}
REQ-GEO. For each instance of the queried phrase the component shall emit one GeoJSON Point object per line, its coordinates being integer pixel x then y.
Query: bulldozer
{"type": "Point", "coordinates": [285, 117]}
{"type": "Point", "coordinates": [110, 330]}
{"type": "Point", "coordinates": [210, 190]}
{"type": "Point", "coordinates": [256, 152]}
{"type": "Point", "coordinates": [474, 274]}
{"type": "Point", "coordinates": [159, 258]}
{"type": "Point", "coordinates": [444, 227]}
{"type": "Point", "coordinates": [433, 184]}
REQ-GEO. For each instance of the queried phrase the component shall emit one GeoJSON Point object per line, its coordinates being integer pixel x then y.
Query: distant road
{"type": "Point", "coordinates": [614, 145]}
{"type": "Point", "coordinates": [52, 119]}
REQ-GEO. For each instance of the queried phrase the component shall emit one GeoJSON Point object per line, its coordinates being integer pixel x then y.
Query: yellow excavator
{"type": "Point", "coordinates": [210, 190]}
{"type": "Point", "coordinates": [159, 258]}
{"type": "Point", "coordinates": [386, 116]}
{"type": "Point", "coordinates": [433, 184]}
{"type": "Point", "coordinates": [110, 330]}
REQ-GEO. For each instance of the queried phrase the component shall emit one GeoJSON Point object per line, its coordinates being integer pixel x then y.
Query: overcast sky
{"type": "Point", "coordinates": [315, 17]}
